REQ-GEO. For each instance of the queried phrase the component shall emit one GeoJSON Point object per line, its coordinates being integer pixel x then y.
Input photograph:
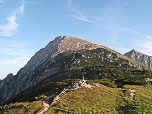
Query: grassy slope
{"type": "Point", "coordinates": [23, 108]}
{"type": "Point", "coordinates": [101, 99]}
{"type": "Point", "coordinates": [142, 94]}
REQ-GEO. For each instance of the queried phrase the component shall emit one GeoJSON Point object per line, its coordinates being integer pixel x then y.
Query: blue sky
{"type": "Point", "coordinates": [29, 25]}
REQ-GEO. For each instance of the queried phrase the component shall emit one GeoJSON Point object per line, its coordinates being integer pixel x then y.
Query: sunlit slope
{"type": "Point", "coordinates": [23, 108]}
{"type": "Point", "coordinates": [95, 64]}
{"type": "Point", "coordinates": [101, 99]}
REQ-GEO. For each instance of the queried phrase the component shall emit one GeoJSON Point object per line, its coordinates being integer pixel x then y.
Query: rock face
{"type": "Point", "coordinates": [7, 79]}
{"type": "Point", "coordinates": [140, 57]}
{"type": "Point", "coordinates": [133, 94]}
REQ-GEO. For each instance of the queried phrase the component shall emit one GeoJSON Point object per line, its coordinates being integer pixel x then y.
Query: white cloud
{"type": "Point", "coordinates": [21, 8]}
{"type": "Point", "coordinates": [149, 37]}
{"type": "Point", "coordinates": [11, 25]}
{"type": "Point", "coordinates": [1, 1]}
{"type": "Point", "coordinates": [80, 16]}
{"type": "Point", "coordinates": [6, 30]}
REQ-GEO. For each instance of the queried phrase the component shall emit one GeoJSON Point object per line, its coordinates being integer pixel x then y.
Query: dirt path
{"type": "Point", "coordinates": [77, 85]}
{"type": "Point", "coordinates": [46, 104]}
{"type": "Point", "coordinates": [45, 109]}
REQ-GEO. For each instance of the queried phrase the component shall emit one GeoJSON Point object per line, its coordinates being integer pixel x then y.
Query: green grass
{"type": "Point", "coordinates": [86, 100]}
{"type": "Point", "coordinates": [142, 94]}
{"type": "Point", "coordinates": [101, 99]}
{"type": "Point", "coordinates": [23, 108]}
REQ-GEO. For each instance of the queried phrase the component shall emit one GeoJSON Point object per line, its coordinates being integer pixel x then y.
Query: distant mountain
{"type": "Point", "coordinates": [47, 62]}
{"type": "Point", "coordinates": [140, 57]}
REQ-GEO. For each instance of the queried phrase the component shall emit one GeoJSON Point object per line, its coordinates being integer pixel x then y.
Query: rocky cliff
{"type": "Point", "coordinates": [43, 64]}
{"type": "Point", "coordinates": [140, 57]}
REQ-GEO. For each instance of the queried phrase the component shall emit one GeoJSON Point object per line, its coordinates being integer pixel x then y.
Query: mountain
{"type": "Point", "coordinates": [140, 57]}
{"type": "Point", "coordinates": [59, 55]}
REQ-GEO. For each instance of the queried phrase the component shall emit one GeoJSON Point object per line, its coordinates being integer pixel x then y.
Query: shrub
{"type": "Point", "coordinates": [109, 84]}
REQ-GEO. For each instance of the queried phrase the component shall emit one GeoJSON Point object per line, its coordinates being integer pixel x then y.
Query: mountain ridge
{"type": "Point", "coordinates": [43, 64]}
{"type": "Point", "coordinates": [140, 57]}
{"type": "Point", "coordinates": [139, 52]}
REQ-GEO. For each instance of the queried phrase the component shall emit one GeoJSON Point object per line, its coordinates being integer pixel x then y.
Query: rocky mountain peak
{"type": "Point", "coordinates": [58, 45]}
{"type": "Point", "coordinates": [26, 76]}
{"type": "Point", "coordinates": [140, 57]}
{"type": "Point", "coordinates": [7, 79]}
{"type": "Point", "coordinates": [10, 75]}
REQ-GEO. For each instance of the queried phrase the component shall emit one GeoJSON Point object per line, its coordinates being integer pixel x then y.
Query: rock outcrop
{"type": "Point", "coordinates": [133, 94]}
{"type": "Point", "coordinates": [80, 84]}
{"type": "Point", "coordinates": [7, 79]}
{"type": "Point", "coordinates": [140, 57]}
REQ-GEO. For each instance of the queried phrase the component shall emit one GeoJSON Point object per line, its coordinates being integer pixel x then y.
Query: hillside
{"type": "Point", "coordinates": [107, 100]}
{"type": "Point", "coordinates": [140, 57]}
{"type": "Point", "coordinates": [23, 108]}
{"type": "Point", "coordinates": [44, 64]}
{"type": "Point", "coordinates": [95, 63]}
{"type": "Point", "coordinates": [65, 61]}
{"type": "Point", "coordinates": [95, 66]}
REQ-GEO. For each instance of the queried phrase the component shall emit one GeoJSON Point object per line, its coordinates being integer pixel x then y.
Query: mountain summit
{"type": "Point", "coordinates": [140, 57]}
{"type": "Point", "coordinates": [44, 63]}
